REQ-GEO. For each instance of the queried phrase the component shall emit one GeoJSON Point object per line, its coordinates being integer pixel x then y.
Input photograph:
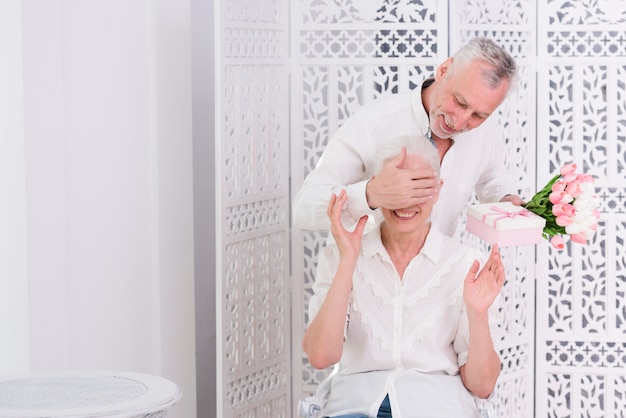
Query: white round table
{"type": "Point", "coordinates": [82, 394]}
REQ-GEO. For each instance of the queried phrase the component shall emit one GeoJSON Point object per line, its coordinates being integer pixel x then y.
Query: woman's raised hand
{"type": "Point", "coordinates": [348, 243]}
{"type": "Point", "coordinates": [480, 290]}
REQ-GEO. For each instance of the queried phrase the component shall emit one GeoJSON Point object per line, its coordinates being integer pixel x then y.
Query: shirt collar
{"type": "Point", "coordinates": [417, 106]}
{"type": "Point", "coordinates": [372, 244]}
{"type": "Point", "coordinates": [433, 245]}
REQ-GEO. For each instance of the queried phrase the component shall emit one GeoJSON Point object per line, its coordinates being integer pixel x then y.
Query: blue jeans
{"type": "Point", "coordinates": [383, 412]}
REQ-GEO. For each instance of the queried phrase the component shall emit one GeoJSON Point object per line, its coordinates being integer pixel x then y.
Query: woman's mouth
{"type": "Point", "coordinates": [405, 215]}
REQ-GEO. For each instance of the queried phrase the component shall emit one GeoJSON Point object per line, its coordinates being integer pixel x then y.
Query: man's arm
{"type": "Point", "coordinates": [347, 164]}
{"type": "Point", "coordinates": [343, 165]}
{"type": "Point", "coordinates": [495, 184]}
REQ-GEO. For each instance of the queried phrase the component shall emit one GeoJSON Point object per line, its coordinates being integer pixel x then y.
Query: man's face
{"type": "Point", "coordinates": [461, 100]}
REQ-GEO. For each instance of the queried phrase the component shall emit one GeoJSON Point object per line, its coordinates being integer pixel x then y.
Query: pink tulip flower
{"type": "Point", "coordinates": [579, 238]}
{"type": "Point", "coordinates": [570, 177]}
{"type": "Point", "coordinates": [569, 209]}
{"type": "Point", "coordinates": [568, 169]}
{"type": "Point", "coordinates": [557, 242]}
{"type": "Point", "coordinates": [563, 220]}
{"type": "Point", "coordinates": [573, 189]}
{"type": "Point", "coordinates": [556, 197]}
{"type": "Point", "coordinates": [561, 209]}
{"type": "Point", "coordinates": [557, 210]}
{"type": "Point", "coordinates": [559, 186]}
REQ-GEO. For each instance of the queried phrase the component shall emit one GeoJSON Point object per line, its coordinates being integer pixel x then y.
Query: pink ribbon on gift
{"type": "Point", "coordinates": [504, 214]}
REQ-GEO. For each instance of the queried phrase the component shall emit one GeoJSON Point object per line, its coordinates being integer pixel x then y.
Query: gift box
{"type": "Point", "coordinates": [504, 223]}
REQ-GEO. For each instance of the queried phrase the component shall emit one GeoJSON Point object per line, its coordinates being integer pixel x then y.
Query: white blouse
{"type": "Point", "coordinates": [405, 337]}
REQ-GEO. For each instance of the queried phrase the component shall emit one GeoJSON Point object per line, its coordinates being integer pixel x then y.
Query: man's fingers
{"type": "Point", "coordinates": [514, 199]}
{"type": "Point", "coordinates": [424, 183]}
{"type": "Point", "coordinates": [422, 174]}
{"type": "Point", "coordinates": [420, 189]}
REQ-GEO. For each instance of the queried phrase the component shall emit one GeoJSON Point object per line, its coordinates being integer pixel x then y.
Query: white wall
{"type": "Point", "coordinates": [172, 61]}
{"type": "Point", "coordinates": [14, 349]}
{"type": "Point", "coordinates": [107, 139]}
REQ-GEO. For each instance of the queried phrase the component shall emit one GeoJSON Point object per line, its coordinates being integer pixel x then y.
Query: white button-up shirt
{"type": "Point", "coordinates": [405, 337]}
{"type": "Point", "coordinates": [473, 163]}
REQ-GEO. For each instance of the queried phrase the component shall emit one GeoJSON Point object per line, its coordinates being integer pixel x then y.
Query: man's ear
{"type": "Point", "coordinates": [443, 68]}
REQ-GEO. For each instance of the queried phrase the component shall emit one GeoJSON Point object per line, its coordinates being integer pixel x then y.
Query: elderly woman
{"type": "Point", "coordinates": [403, 311]}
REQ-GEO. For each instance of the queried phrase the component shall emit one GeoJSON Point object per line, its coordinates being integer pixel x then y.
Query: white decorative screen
{"type": "Point", "coordinates": [581, 308]}
{"type": "Point", "coordinates": [289, 78]}
{"type": "Point", "coordinates": [512, 25]}
{"type": "Point", "coordinates": [252, 151]}
{"type": "Point", "coordinates": [348, 53]}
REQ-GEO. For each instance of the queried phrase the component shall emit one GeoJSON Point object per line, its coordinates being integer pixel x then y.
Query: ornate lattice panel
{"type": "Point", "coordinates": [581, 336]}
{"type": "Point", "coordinates": [253, 152]}
{"type": "Point", "coordinates": [511, 24]}
{"type": "Point", "coordinates": [351, 52]}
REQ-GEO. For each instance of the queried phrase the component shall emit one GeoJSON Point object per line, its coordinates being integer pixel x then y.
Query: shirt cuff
{"type": "Point", "coordinates": [357, 200]}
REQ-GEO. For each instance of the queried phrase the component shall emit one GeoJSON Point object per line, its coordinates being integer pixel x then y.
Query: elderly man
{"type": "Point", "coordinates": [453, 110]}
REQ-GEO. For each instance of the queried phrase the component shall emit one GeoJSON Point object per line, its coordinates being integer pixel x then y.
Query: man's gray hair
{"type": "Point", "coordinates": [415, 145]}
{"type": "Point", "coordinates": [503, 66]}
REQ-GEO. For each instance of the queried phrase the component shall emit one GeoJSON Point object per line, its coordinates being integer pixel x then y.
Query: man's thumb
{"type": "Point", "coordinates": [398, 161]}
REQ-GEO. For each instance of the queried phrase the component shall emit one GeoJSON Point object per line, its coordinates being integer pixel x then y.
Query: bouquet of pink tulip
{"type": "Point", "coordinates": [569, 206]}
